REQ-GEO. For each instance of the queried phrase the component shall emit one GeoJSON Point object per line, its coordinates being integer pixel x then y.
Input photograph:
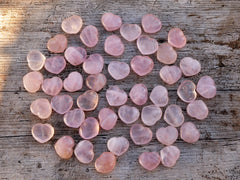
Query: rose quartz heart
{"type": "Point", "coordinates": [84, 151]}
{"type": "Point", "coordinates": [189, 133]}
{"type": "Point", "coordinates": [140, 135]}
{"type": "Point", "coordinates": [107, 118]}
{"type": "Point", "coordinates": [166, 54]}
{"type": "Point", "coordinates": [55, 64]}
{"type": "Point", "coordinates": [111, 22]}
{"type": "Point", "coordinates": [42, 132]}
{"type": "Point", "coordinates": [186, 91]}
{"type": "Point", "coordinates": [64, 147]}
{"type": "Point", "coordinates": [72, 24]}
{"type": "Point", "coordinates": [118, 145]}
{"type": "Point", "coordinates": [149, 160]}
{"type": "Point", "coordinates": [32, 81]}
{"type": "Point", "coordinates": [173, 115]}
{"type": "Point", "coordinates": [150, 115]}
{"type": "Point", "coordinates": [62, 103]}
{"type": "Point", "coordinates": [41, 108]}
{"type": "Point", "coordinates": [206, 87]}
{"type": "Point", "coordinates": [151, 24]}
{"type": "Point", "coordinates": [96, 82]}
{"type": "Point", "coordinates": [197, 109]}
{"type": "Point", "coordinates": [105, 163]}
{"type": "Point", "coordinates": [139, 94]}
{"type": "Point", "coordinates": [190, 66]}
{"type": "Point", "coordinates": [90, 128]}
{"type": "Point", "coordinates": [74, 118]}
{"type": "Point", "coordinates": [167, 135]}
{"type": "Point", "coordinates": [176, 38]}
{"type": "Point", "coordinates": [113, 46]}
{"type": "Point", "coordinates": [128, 114]}
{"type": "Point", "coordinates": [170, 74]}
{"type": "Point", "coordinates": [52, 86]}
{"type": "Point", "coordinates": [142, 65]}
{"type": "Point", "coordinates": [73, 82]}
{"type": "Point", "coordinates": [75, 55]}
{"type": "Point", "coordinates": [89, 36]}
{"type": "Point", "coordinates": [116, 96]}
{"type": "Point", "coordinates": [94, 64]}
{"type": "Point", "coordinates": [169, 156]}
{"type": "Point", "coordinates": [57, 44]}
{"type": "Point", "coordinates": [159, 96]}
{"type": "Point", "coordinates": [130, 32]}
{"type": "Point", "coordinates": [36, 60]}
{"type": "Point", "coordinates": [147, 45]}
{"type": "Point", "coordinates": [118, 70]}
{"type": "Point", "coordinates": [88, 101]}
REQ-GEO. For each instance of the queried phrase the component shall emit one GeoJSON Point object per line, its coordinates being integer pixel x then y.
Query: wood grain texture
{"type": "Point", "coordinates": [213, 32]}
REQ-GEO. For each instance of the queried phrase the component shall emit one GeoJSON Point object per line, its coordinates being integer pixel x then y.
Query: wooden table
{"type": "Point", "coordinates": [212, 28]}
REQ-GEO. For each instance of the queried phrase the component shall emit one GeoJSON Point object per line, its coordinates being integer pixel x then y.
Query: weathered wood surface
{"type": "Point", "coordinates": [213, 32]}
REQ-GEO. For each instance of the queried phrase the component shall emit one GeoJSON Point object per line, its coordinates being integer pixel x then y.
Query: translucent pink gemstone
{"type": "Point", "coordinates": [166, 54]}
{"type": "Point", "coordinates": [149, 160]}
{"type": "Point", "coordinates": [142, 65]}
{"type": "Point", "coordinates": [206, 87]}
{"type": "Point", "coordinates": [197, 109]}
{"type": "Point", "coordinates": [89, 36]}
{"type": "Point", "coordinates": [74, 118]}
{"type": "Point", "coordinates": [89, 129]}
{"type": "Point", "coordinates": [111, 22]}
{"type": "Point", "coordinates": [176, 38]}
{"type": "Point", "coordinates": [107, 118]}
{"type": "Point", "coordinates": [84, 151]}
{"type": "Point", "coordinates": [113, 45]}
{"type": "Point", "coordinates": [35, 60]}
{"type": "Point", "coordinates": [64, 147]}
{"type": "Point", "coordinates": [42, 132]}
{"type": "Point", "coordinates": [150, 115]}
{"type": "Point", "coordinates": [52, 86]}
{"type": "Point", "coordinates": [159, 96]}
{"type": "Point", "coordinates": [190, 66]}
{"type": "Point", "coordinates": [139, 94]}
{"type": "Point", "coordinates": [189, 133]}
{"type": "Point", "coordinates": [147, 45]}
{"type": "Point", "coordinates": [128, 114]}
{"type": "Point", "coordinates": [75, 55]}
{"type": "Point", "coordinates": [62, 103]}
{"type": "Point", "coordinates": [118, 145]}
{"type": "Point", "coordinates": [96, 82]}
{"type": "Point", "coordinates": [57, 44]}
{"type": "Point", "coordinates": [88, 101]}
{"type": "Point", "coordinates": [170, 74]}
{"type": "Point", "coordinates": [140, 135]}
{"type": "Point", "coordinates": [130, 32]}
{"type": "Point", "coordinates": [32, 81]}
{"type": "Point", "coordinates": [173, 115]}
{"type": "Point", "coordinates": [186, 91]}
{"type": "Point", "coordinates": [55, 64]}
{"type": "Point", "coordinates": [41, 108]}
{"type": "Point", "coordinates": [73, 82]}
{"type": "Point", "coordinates": [105, 163]}
{"type": "Point", "coordinates": [72, 25]}
{"type": "Point", "coordinates": [167, 135]}
{"type": "Point", "coordinates": [169, 156]}
{"type": "Point", "coordinates": [118, 70]}
{"type": "Point", "coordinates": [94, 64]}
{"type": "Point", "coordinates": [116, 96]}
{"type": "Point", "coordinates": [151, 24]}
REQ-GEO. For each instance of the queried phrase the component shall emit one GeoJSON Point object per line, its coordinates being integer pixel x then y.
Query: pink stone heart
{"type": "Point", "coordinates": [84, 152]}
{"type": "Point", "coordinates": [105, 163]}
{"type": "Point", "coordinates": [166, 54]}
{"type": "Point", "coordinates": [113, 46]}
{"type": "Point", "coordinates": [167, 135]}
{"type": "Point", "coordinates": [176, 38]}
{"type": "Point", "coordinates": [36, 60]}
{"type": "Point", "coordinates": [150, 115]}
{"type": "Point", "coordinates": [197, 109]}
{"type": "Point", "coordinates": [74, 118]}
{"type": "Point", "coordinates": [118, 145]}
{"type": "Point", "coordinates": [62, 103]}
{"type": "Point", "coordinates": [94, 64]}
{"type": "Point", "coordinates": [57, 44]}
{"type": "Point", "coordinates": [52, 86]}
{"type": "Point", "coordinates": [89, 129]}
{"type": "Point", "coordinates": [89, 36]}
{"type": "Point", "coordinates": [42, 132]}
{"type": "Point", "coordinates": [75, 55]}
{"type": "Point", "coordinates": [73, 82]}
{"type": "Point", "coordinates": [149, 160]}
{"type": "Point", "coordinates": [107, 118]}
{"type": "Point", "coordinates": [140, 135]}
{"type": "Point", "coordinates": [88, 101]}
{"type": "Point", "coordinates": [55, 64]}
{"type": "Point", "coordinates": [32, 81]}
{"type": "Point", "coordinates": [159, 96]}
{"type": "Point", "coordinates": [64, 147]}
{"type": "Point", "coordinates": [189, 133]}
{"type": "Point", "coordinates": [190, 66]}
{"type": "Point", "coordinates": [151, 24]}
{"type": "Point", "coordinates": [130, 32]}
{"type": "Point", "coordinates": [41, 108]}
{"type": "Point", "coordinates": [142, 65]}
{"type": "Point", "coordinates": [128, 114]}
{"type": "Point", "coordinates": [116, 96]}
{"type": "Point", "coordinates": [118, 70]}
{"type": "Point", "coordinates": [169, 156]}
{"type": "Point", "coordinates": [111, 22]}
{"type": "Point", "coordinates": [206, 87]}
{"type": "Point", "coordinates": [72, 25]}
{"type": "Point", "coordinates": [187, 91]}
{"type": "Point", "coordinates": [170, 74]}
{"type": "Point", "coordinates": [173, 115]}
{"type": "Point", "coordinates": [147, 45]}
{"type": "Point", "coordinates": [139, 94]}
{"type": "Point", "coordinates": [96, 82]}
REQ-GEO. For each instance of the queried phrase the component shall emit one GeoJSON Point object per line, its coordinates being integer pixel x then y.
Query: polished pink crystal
{"type": "Point", "coordinates": [52, 86]}
{"type": "Point", "coordinates": [73, 82]}
{"type": "Point", "coordinates": [128, 114]}
{"type": "Point", "coordinates": [41, 108]}
{"type": "Point", "coordinates": [72, 24]}
{"type": "Point", "coordinates": [118, 70]}
{"type": "Point", "coordinates": [167, 135]}
{"type": "Point", "coordinates": [176, 38]}
{"type": "Point", "coordinates": [151, 24]}
{"type": "Point", "coordinates": [107, 118]}
{"type": "Point", "coordinates": [139, 94]}
{"type": "Point", "coordinates": [96, 82]}
{"type": "Point", "coordinates": [62, 103]}
{"type": "Point", "coordinates": [55, 64]}
{"type": "Point", "coordinates": [35, 60]}
{"type": "Point", "coordinates": [74, 118]}
{"type": "Point", "coordinates": [169, 156]}
{"type": "Point", "coordinates": [190, 66]}
{"type": "Point", "coordinates": [140, 135]}
{"type": "Point", "coordinates": [118, 145]}
{"type": "Point", "coordinates": [94, 64]}
{"type": "Point", "coordinates": [88, 101]}
{"type": "Point", "coordinates": [113, 46]}
{"type": "Point", "coordinates": [42, 132]}
{"type": "Point", "coordinates": [64, 147]}
{"type": "Point", "coordinates": [105, 163]}
{"type": "Point", "coordinates": [116, 96]}
{"type": "Point", "coordinates": [147, 45]}
{"type": "Point", "coordinates": [159, 96]}
{"type": "Point", "coordinates": [170, 74]}
{"type": "Point", "coordinates": [84, 151]}
{"type": "Point", "coordinates": [142, 65]}
{"type": "Point", "coordinates": [187, 91]}
{"type": "Point", "coordinates": [130, 32]}
{"type": "Point", "coordinates": [206, 87]}
{"type": "Point", "coordinates": [197, 109]}
{"type": "Point", "coordinates": [90, 128]}
{"type": "Point", "coordinates": [166, 54]}
{"type": "Point", "coordinates": [173, 115]}
{"type": "Point", "coordinates": [149, 160]}
{"type": "Point", "coordinates": [32, 81]}
{"type": "Point", "coordinates": [151, 114]}
{"type": "Point", "coordinates": [89, 36]}
{"type": "Point", "coordinates": [57, 44]}
{"type": "Point", "coordinates": [75, 55]}
{"type": "Point", "coordinates": [189, 133]}
{"type": "Point", "coordinates": [111, 22]}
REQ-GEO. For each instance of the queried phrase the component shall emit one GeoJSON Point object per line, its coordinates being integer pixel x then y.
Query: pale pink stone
{"type": "Point", "coordinates": [35, 60]}
{"type": "Point", "coordinates": [94, 64]}
{"type": "Point", "coordinates": [72, 24]}
{"type": "Point", "coordinates": [88, 101]}
{"type": "Point", "coordinates": [150, 115]}
{"type": "Point", "coordinates": [159, 96]}
{"type": "Point", "coordinates": [167, 135]}
{"type": "Point", "coordinates": [130, 32]}
{"type": "Point", "coordinates": [118, 145]}
{"type": "Point", "coordinates": [41, 108]}
{"type": "Point", "coordinates": [170, 74]}
{"type": "Point", "coordinates": [189, 133]}
{"type": "Point", "coordinates": [128, 114]}
{"type": "Point", "coordinates": [57, 44]}
{"type": "Point", "coordinates": [52, 86]}
{"type": "Point", "coordinates": [64, 147]}
{"type": "Point", "coordinates": [118, 70]}
{"type": "Point", "coordinates": [169, 156]}
{"type": "Point", "coordinates": [147, 45]}
{"type": "Point", "coordinates": [166, 54]}
{"type": "Point", "coordinates": [96, 82]}
{"type": "Point", "coordinates": [42, 132]}
{"type": "Point", "coordinates": [176, 38]}
{"type": "Point", "coordinates": [116, 96]}
{"type": "Point", "coordinates": [55, 64]}
{"type": "Point", "coordinates": [113, 46]}
{"type": "Point", "coordinates": [84, 151]}
{"type": "Point", "coordinates": [173, 115]}
{"type": "Point", "coordinates": [140, 135]}
{"type": "Point", "coordinates": [62, 103]}
{"type": "Point", "coordinates": [139, 94]}
{"type": "Point", "coordinates": [197, 109]}
{"type": "Point", "coordinates": [90, 128]}
{"type": "Point", "coordinates": [75, 55]}
{"type": "Point", "coordinates": [149, 160]}
{"type": "Point", "coordinates": [190, 66]}
{"type": "Point", "coordinates": [206, 87]}
{"type": "Point", "coordinates": [142, 65]}
{"type": "Point", "coordinates": [107, 118]}
{"type": "Point", "coordinates": [89, 36]}
{"type": "Point", "coordinates": [187, 91]}
{"type": "Point", "coordinates": [111, 22]}
{"type": "Point", "coordinates": [73, 82]}
{"type": "Point", "coordinates": [151, 24]}
{"type": "Point", "coordinates": [105, 163]}
{"type": "Point", "coordinates": [32, 81]}
{"type": "Point", "coordinates": [74, 118]}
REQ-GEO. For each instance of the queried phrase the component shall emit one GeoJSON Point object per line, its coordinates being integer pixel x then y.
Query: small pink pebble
{"type": "Point", "coordinates": [149, 160]}
{"type": "Point", "coordinates": [151, 24]}
{"type": "Point", "coordinates": [169, 156]}
{"type": "Point", "coordinates": [41, 108]}
{"type": "Point", "coordinates": [147, 45]}
{"type": "Point", "coordinates": [62, 103]}
{"type": "Point", "coordinates": [167, 135]}
{"type": "Point", "coordinates": [94, 64]}
{"type": "Point", "coordinates": [128, 114]}
{"type": "Point", "coordinates": [105, 163]}
{"type": "Point", "coordinates": [176, 38]}
{"type": "Point", "coordinates": [173, 115]}
{"type": "Point", "coordinates": [151, 114]}
{"type": "Point", "coordinates": [170, 74]}
{"type": "Point", "coordinates": [107, 118]}
{"type": "Point", "coordinates": [111, 22]}
{"type": "Point", "coordinates": [35, 60]}
{"type": "Point", "coordinates": [74, 118]}
{"type": "Point", "coordinates": [72, 25]}
{"type": "Point", "coordinates": [55, 64]}
{"type": "Point", "coordinates": [113, 46]}
{"type": "Point", "coordinates": [166, 54]}
{"type": "Point", "coordinates": [57, 44]}
{"type": "Point", "coordinates": [140, 135]}
{"type": "Point", "coordinates": [64, 147]}
{"type": "Point", "coordinates": [32, 81]}
{"type": "Point", "coordinates": [190, 66]}
{"type": "Point", "coordinates": [42, 132]}
{"type": "Point", "coordinates": [116, 96]}
{"type": "Point", "coordinates": [84, 151]}
{"type": "Point", "coordinates": [118, 145]}
{"type": "Point", "coordinates": [197, 109]}
{"type": "Point", "coordinates": [73, 82]}
{"type": "Point", "coordinates": [89, 129]}
{"type": "Point", "coordinates": [75, 55]}
{"type": "Point", "coordinates": [89, 36]}
{"type": "Point", "coordinates": [88, 101]}
{"type": "Point", "coordinates": [159, 96]}
{"type": "Point", "coordinates": [96, 82]}
{"type": "Point", "coordinates": [187, 91]}
{"type": "Point", "coordinates": [139, 94]}
{"type": "Point", "coordinates": [130, 32]}
{"type": "Point", "coordinates": [142, 65]}
{"type": "Point", "coordinates": [206, 87]}
{"type": "Point", "coordinates": [52, 86]}
{"type": "Point", "coordinates": [118, 70]}
{"type": "Point", "coordinates": [189, 133]}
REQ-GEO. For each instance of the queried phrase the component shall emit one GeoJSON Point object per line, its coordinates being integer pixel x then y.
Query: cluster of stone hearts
{"type": "Point", "coordinates": [142, 65]}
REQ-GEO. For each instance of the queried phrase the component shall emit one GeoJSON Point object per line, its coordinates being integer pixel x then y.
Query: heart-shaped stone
{"type": "Point", "coordinates": [105, 163]}
{"type": "Point", "coordinates": [73, 82]}
{"type": "Point", "coordinates": [111, 22]}
{"type": "Point", "coordinates": [189, 133]}
{"type": "Point", "coordinates": [139, 94]}
{"type": "Point", "coordinates": [113, 45]}
{"type": "Point", "coordinates": [75, 55]}
{"type": "Point", "coordinates": [107, 118]}
{"type": "Point", "coordinates": [151, 114]}
{"type": "Point", "coordinates": [55, 64]}
{"type": "Point", "coordinates": [42, 132]}
{"type": "Point", "coordinates": [116, 96]}
{"type": "Point", "coordinates": [128, 114]}
{"type": "Point", "coordinates": [176, 38]}
{"type": "Point", "coordinates": [206, 87]}
{"type": "Point", "coordinates": [89, 36]}
{"type": "Point", "coordinates": [84, 151]}
{"type": "Point", "coordinates": [72, 24]}
{"type": "Point", "coordinates": [197, 109]}
{"type": "Point", "coordinates": [167, 135]}
{"type": "Point", "coordinates": [36, 60]}
{"type": "Point", "coordinates": [170, 74]}
{"type": "Point", "coordinates": [142, 65]}
{"type": "Point", "coordinates": [41, 108]}
{"type": "Point", "coordinates": [190, 66]}
{"type": "Point", "coordinates": [173, 115]}
{"type": "Point", "coordinates": [88, 101]}
{"type": "Point", "coordinates": [74, 118]}
{"type": "Point", "coordinates": [159, 96]}
{"type": "Point", "coordinates": [96, 82]}
{"type": "Point", "coordinates": [187, 91]}
{"type": "Point", "coordinates": [57, 44]}
{"type": "Point", "coordinates": [151, 24]}
{"type": "Point", "coordinates": [52, 86]}
{"type": "Point", "coordinates": [90, 128]}
{"type": "Point", "coordinates": [118, 145]}
{"type": "Point", "coordinates": [166, 54]}
{"type": "Point", "coordinates": [140, 135]}
{"type": "Point", "coordinates": [94, 64]}
{"type": "Point", "coordinates": [62, 103]}
{"type": "Point", "coordinates": [149, 160]}
{"type": "Point", "coordinates": [32, 81]}
{"type": "Point", "coordinates": [130, 32]}
{"type": "Point", "coordinates": [64, 147]}
{"type": "Point", "coordinates": [147, 45]}
{"type": "Point", "coordinates": [169, 155]}
{"type": "Point", "coordinates": [118, 70]}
